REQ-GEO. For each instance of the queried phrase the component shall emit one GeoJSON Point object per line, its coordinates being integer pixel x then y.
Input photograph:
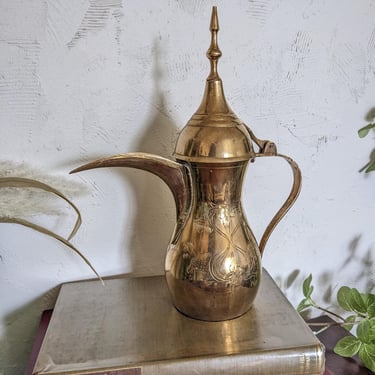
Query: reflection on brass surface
{"type": "Point", "coordinates": [213, 262]}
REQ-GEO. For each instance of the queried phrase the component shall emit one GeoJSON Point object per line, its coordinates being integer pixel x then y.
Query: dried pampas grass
{"type": "Point", "coordinates": [22, 196]}
{"type": "Point", "coordinates": [20, 202]}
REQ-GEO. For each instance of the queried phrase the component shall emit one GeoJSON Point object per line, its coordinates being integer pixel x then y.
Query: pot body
{"type": "Point", "coordinates": [213, 263]}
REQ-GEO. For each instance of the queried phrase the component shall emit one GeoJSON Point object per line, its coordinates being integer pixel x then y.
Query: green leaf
{"type": "Point", "coordinates": [371, 311]}
{"type": "Point", "coordinates": [347, 346]}
{"type": "Point", "coordinates": [369, 298]}
{"type": "Point", "coordinates": [367, 355]}
{"type": "Point", "coordinates": [370, 167]}
{"type": "Point", "coordinates": [363, 331]}
{"type": "Point", "coordinates": [372, 330]}
{"type": "Point", "coordinates": [351, 300]}
{"type": "Point", "coordinates": [303, 305]}
{"type": "Point", "coordinates": [357, 302]}
{"type": "Point", "coordinates": [306, 287]}
{"type": "Point", "coordinates": [344, 298]}
{"type": "Point", "coordinates": [350, 320]}
{"type": "Point", "coordinates": [365, 130]}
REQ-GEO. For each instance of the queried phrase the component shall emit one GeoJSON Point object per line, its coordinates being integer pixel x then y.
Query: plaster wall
{"type": "Point", "coordinates": [91, 78]}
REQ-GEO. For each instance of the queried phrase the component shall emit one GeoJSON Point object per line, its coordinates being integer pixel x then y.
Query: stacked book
{"type": "Point", "coordinates": [130, 327]}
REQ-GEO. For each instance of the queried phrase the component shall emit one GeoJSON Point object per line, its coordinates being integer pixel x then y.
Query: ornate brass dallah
{"type": "Point", "coordinates": [213, 262]}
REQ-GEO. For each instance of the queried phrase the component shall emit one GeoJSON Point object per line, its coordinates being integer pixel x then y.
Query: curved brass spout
{"type": "Point", "coordinates": [175, 175]}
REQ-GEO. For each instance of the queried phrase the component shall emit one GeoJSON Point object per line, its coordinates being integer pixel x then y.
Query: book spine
{"type": "Point", "coordinates": [43, 325]}
{"type": "Point", "coordinates": [302, 361]}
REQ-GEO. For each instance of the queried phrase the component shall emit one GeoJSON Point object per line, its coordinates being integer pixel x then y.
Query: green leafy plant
{"type": "Point", "coordinates": [27, 183]}
{"type": "Point", "coordinates": [361, 309]}
{"type": "Point", "coordinates": [370, 166]}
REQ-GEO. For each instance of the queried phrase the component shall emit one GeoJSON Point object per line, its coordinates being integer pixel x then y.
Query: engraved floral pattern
{"type": "Point", "coordinates": [230, 263]}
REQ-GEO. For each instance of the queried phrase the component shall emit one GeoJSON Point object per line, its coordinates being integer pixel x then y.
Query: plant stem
{"type": "Point", "coordinates": [329, 312]}
{"type": "Point", "coordinates": [321, 330]}
{"type": "Point", "coordinates": [330, 324]}
{"type": "Point", "coordinates": [327, 325]}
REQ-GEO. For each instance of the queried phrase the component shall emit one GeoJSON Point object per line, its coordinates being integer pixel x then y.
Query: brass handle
{"type": "Point", "coordinates": [268, 148]}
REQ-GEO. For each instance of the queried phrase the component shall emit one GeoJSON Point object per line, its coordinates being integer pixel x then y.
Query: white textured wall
{"type": "Point", "coordinates": [85, 79]}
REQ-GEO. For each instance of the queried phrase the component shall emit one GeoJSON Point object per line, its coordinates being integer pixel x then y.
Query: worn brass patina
{"type": "Point", "coordinates": [213, 262]}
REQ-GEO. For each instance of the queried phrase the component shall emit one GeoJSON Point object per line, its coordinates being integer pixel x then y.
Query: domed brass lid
{"type": "Point", "coordinates": [214, 133]}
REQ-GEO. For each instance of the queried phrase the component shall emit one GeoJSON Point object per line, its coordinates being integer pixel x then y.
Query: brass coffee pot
{"type": "Point", "coordinates": [213, 262]}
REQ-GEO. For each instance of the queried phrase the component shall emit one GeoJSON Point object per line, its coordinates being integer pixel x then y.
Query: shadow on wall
{"type": "Point", "coordinates": [325, 283]}
{"type": "Point", "coordinates": [154, 204]}
{"type": "Point", "coordinates": [362, 259]}
{"type": "Point", "coordinates": [151, 230]}
{"type": "Point", "coordinates": [370, 117]}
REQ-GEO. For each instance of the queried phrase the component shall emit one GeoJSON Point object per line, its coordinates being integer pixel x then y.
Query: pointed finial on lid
{"type": "Point", "coordinates": [214, 52]}
{"type": "Point", "coordinates": [214, 134]}
{"type": "Point", "coordinates": [214, 19]}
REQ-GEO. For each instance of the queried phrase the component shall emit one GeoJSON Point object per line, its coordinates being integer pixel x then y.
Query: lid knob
{"type": "Point", "coordinates": [214, 134]}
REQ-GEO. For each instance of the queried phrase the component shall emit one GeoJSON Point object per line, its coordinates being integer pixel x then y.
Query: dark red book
{"type": "Point", "coordinates": [43, 325]}
{"type": "Point", "coordinates": [335, 364]}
